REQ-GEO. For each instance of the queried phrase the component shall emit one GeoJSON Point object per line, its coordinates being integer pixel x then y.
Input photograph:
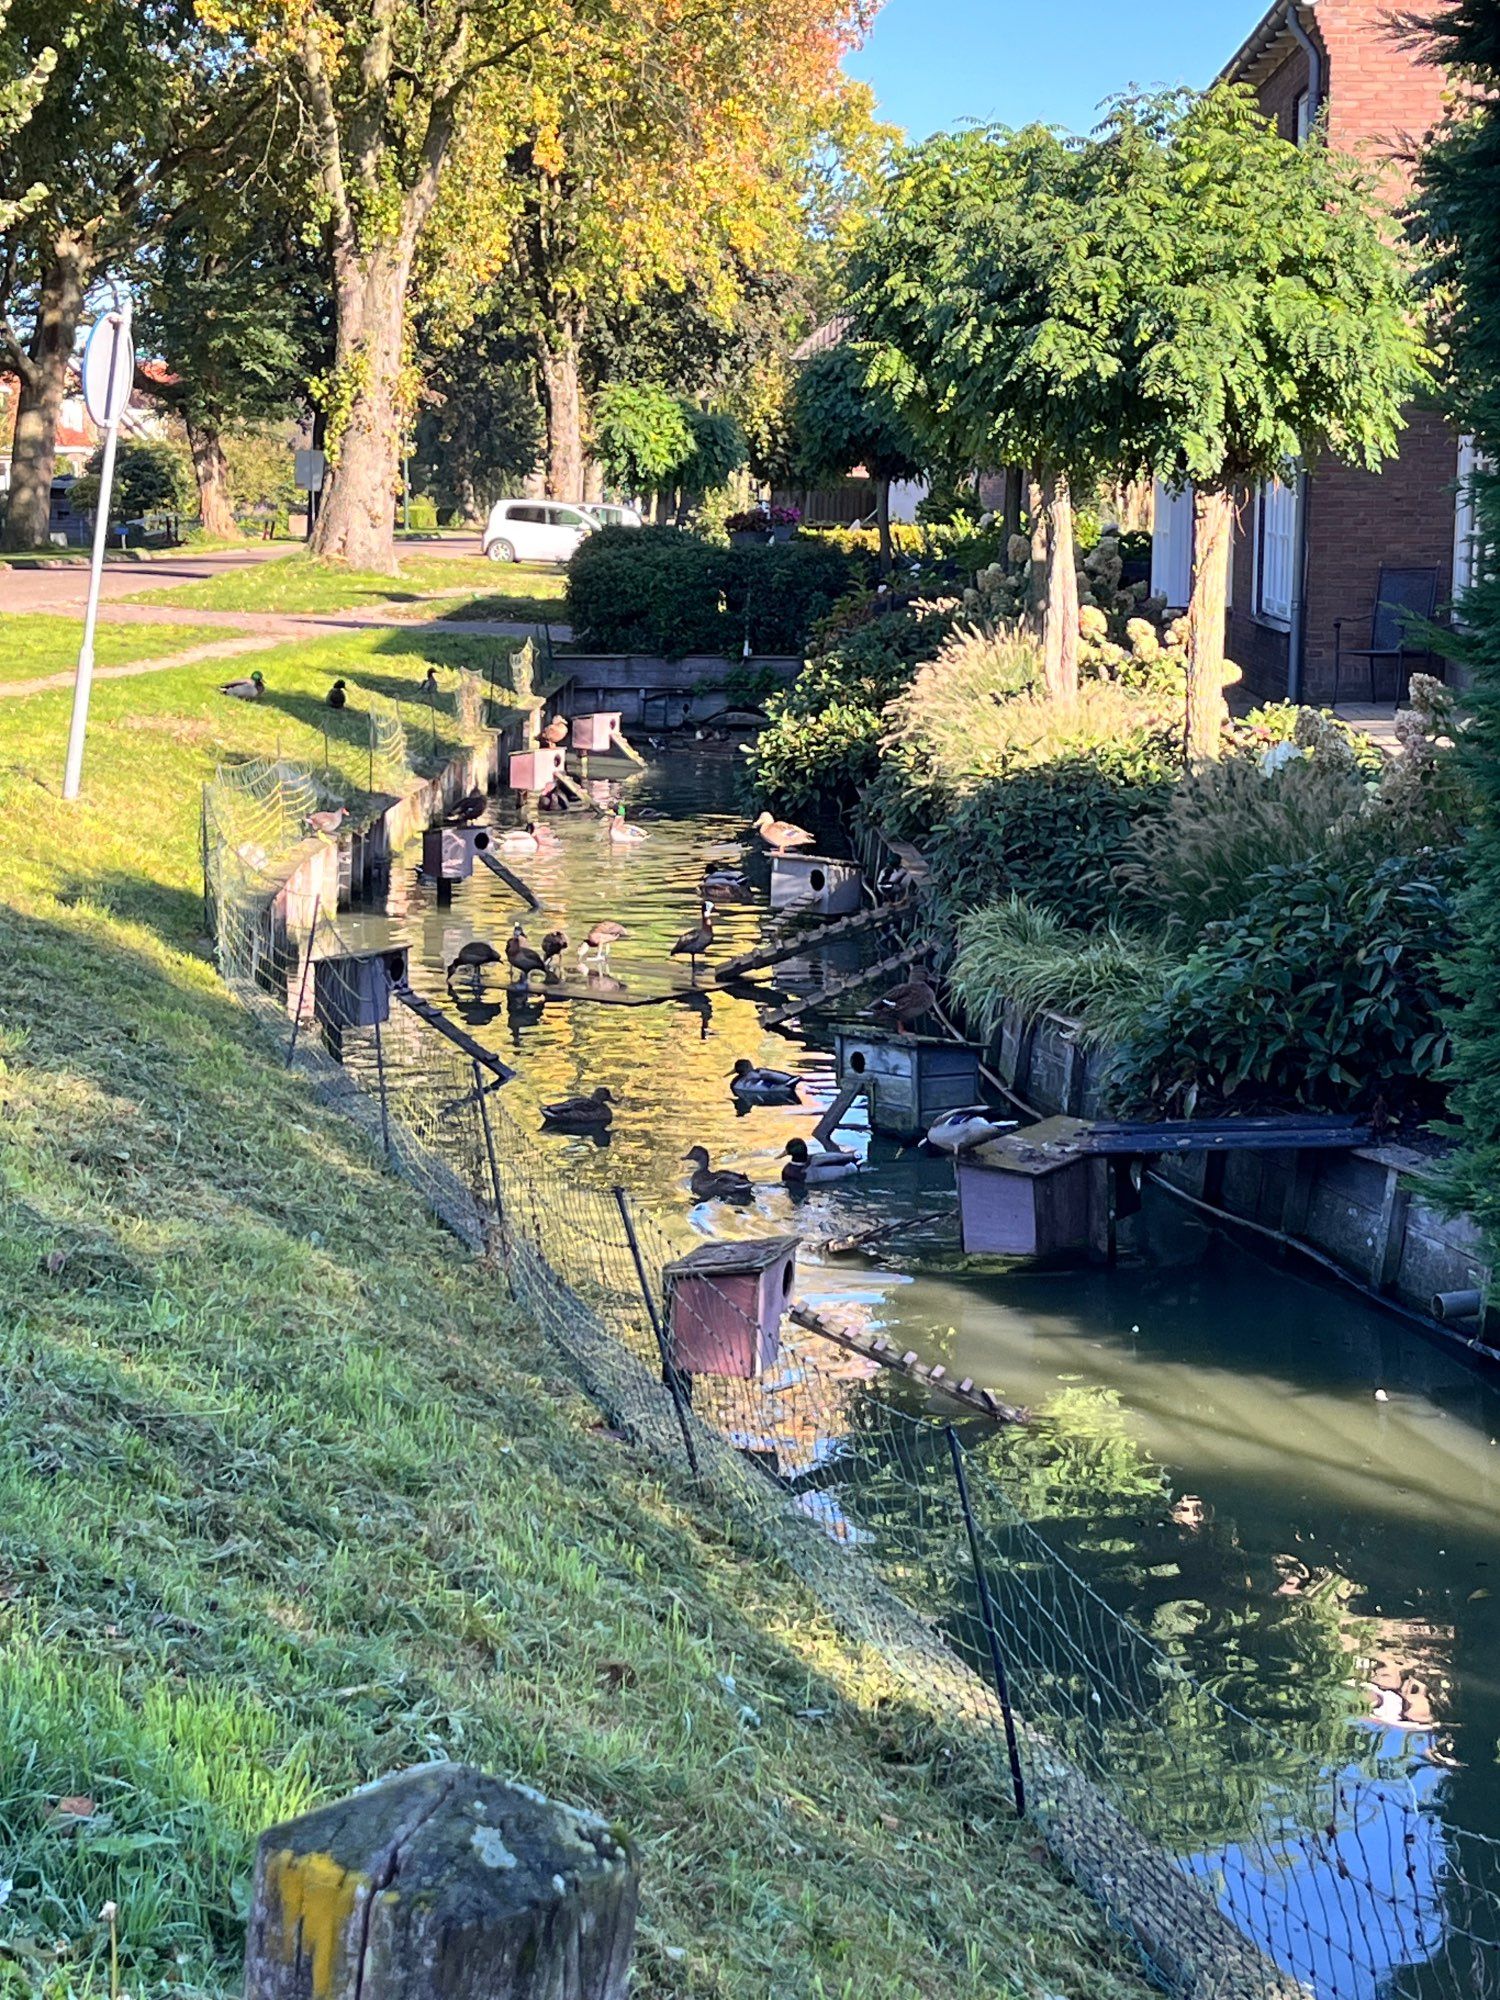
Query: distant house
{"type": "Point", "coordinates": [78, 438]}
{"type": "Point", "coordinates": [1314, 550]}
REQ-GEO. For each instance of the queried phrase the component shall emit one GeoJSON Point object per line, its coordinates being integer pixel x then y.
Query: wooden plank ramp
{"type": "Point", "coordinates": [875, 1347]}
{"type": "Point", "coordinates": [512, 882]}
{"type": "Point", "coordinates": [777, 1016]}
{"type": "Point", "coordinates": [773, 954]}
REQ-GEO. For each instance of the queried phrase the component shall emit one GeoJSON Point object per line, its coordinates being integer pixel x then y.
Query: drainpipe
{"type": "Point", "coordinates": [1296, 642]}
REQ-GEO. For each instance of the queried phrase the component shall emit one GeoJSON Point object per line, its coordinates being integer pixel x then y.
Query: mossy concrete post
{"type": "Point", "coordinates": [441, 1883]}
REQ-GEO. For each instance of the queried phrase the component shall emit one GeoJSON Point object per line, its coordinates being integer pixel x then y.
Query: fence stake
{"type": "Point", "coordinates": [987, 1614]}
{"type": "Point", "coordinates": [370, 739]}
{"type": "Point", "coordinates": [669, 1373]}
{"type": "Point", "coordinates": [385, 1123]}
{"type": "Point", "coordinates": [312, 938]}
{"type": "Point", "coordinates": [489, 1147]}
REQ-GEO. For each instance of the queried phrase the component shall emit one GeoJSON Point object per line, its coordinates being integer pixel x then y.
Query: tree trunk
{"type": "Point", "coordinates": [43, 384]}
{"type": "Point", "coordinates": [883, 523]}
{"type": "Point", "coordinates": [1010, 510]}
{"type": "Point", "coordinates": [357, 507]}
{"type": "Point", "coordinates": [1036, 583]}
{"type": "Point", "coordinates": [593, 480]}
{"type": "Point", "coordinates": [1213, 524]}
{"type": "Point", "coordinates": [563, 396]}
{"type": "Point", "coordinates": [1060, 610]}
{"type": "Point", "coordinates": [211, 470]}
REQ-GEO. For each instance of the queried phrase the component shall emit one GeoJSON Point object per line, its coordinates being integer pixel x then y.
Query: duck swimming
{"type": "Point", "coordinates": [521, 839]}
{"type": "Point", "coordinates": [809, 1169]}
{"type": "Point", "coordinates": [970, 1126]}
{"type": "Point", "coordinates": [780, 835]}
{"type": "Point", "coordinates": [762, 1086]}
{"type": "Point", "coordinates": [581, 1114]}
{"type": "Point", "coordinates": [622, 832]}
{"type": "Point", "coordinates": [724, 1185]}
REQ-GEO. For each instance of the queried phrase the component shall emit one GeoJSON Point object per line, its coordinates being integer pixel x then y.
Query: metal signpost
{"type": "Point", "coordinates": [108, 372]}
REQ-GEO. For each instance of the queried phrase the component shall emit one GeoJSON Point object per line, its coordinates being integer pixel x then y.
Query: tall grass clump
{"type": "Point", "coordinates": [1013, 954]}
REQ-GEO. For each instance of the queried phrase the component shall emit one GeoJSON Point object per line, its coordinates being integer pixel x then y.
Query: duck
{"type": "Point", "coordinates": [521, 839]}
{"type": "Point", "coordinates": [694, 943]}
{"type": "Point", "coordinates": [468, 810]}
{"type": "Point", "coordinates": [762, 1086]}
{"type": "Point", "coordinates": [809, 1169]}
{"type": "Point", "coordinates": [554, 733]}
{"type": "Point", "coordinates": [552, 800]}
{"type": "Point", "coordinates": [521, 957]}
{"type": "Point", "coordinates": [250, 689]}
{"type": "Point", "coordinates": [430, 684]}
{"type": "Point", "coordinates": [581, 1114]}
{"type": "Point", "coordinates": [707, 1184]}
{"type": "Point", "coordinates": [554, 944]}
{"type": "Point", "coordinates": [962, 1130]}
{"type": "Point", "coordinates": [621, 831]}
{"type": "Point", "coordinates": [329, 821]}
{"type": "Point", "coordinates": [599, 940]}
{"type": "Point", "coordinates": [725, 885]}
{"type": "Point", "coordinates": [905, 1003]}
{"type": "Point", "coordinates": [336, 696]}
{"type": "Point", "coordinates": [472, 958]}
{"type": "Point", "coordinates": [780, 835]}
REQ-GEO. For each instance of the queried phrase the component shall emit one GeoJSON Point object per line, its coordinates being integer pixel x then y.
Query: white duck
{"type": "Point", "coordinates": [520, 839]}
{"type": "Point", "coordinates": [622, 833]}
{"type": "Point", "coordinates": [808, 1169]}
{"type": "Point", "coordinates": [962, 1130]}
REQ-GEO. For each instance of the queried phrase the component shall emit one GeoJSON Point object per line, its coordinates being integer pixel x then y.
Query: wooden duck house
{"type": "Point", "coordinates": [1026, 1194]}
{"type": "Point", "coordinates": [909, 1080]}
{"type": "Point", "coordinates": [448, 851]}
{"type": "Point", "coordinates": [355, 991]}
{"type": "Point", "coordinates": [725, 1304]}
{"type": "Point", "coordinates": [534, 770]}
{"type": "Point", "coordinates": [594, 734]}
{"type": "Point", "coordinates": [815, 883]}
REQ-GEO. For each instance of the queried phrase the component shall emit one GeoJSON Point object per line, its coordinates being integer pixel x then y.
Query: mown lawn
{"type": "Point", "coordinates": [301, 583]}
{"type": "Point", "coordinates": [292, 1497]}
{"type": "Point", "coordinates": [36, 643]}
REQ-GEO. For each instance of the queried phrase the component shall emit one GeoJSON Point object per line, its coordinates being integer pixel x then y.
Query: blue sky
{"type": "Point", "coordinates": [934, 63]}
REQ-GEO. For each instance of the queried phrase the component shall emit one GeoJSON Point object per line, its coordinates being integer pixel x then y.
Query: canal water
{"type": "Point", "coordinates": [1294, 1494]}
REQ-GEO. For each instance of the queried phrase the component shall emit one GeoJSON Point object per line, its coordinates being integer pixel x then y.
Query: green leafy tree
{"type": "Point", "coordinates": [642, 437]}
{"type": "Point", "coordinates": [1269, 320]}
{"type": "Point", "coordinates": [479, 431]}
{"type": "Point", "coordinates": [846, 416]}
{"type": "Point", "coordinates": [719, 450]}
{"type": "Point", "coordinates": [152, 475]}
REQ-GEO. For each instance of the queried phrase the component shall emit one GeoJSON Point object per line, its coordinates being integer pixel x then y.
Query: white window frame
{"type": "Point", "coordinates": [1275, 554]}
{"type": "Point", "coordinates": [1172, 546]}
{"type": "Point", "coordinates": [1473, 560]}
{"type": "Point", "coordinates": [1302, 116]}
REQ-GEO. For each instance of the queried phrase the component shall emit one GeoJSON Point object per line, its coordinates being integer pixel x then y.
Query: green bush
{"type": "Point", "coordinates": [422, 514]}
{"type": "Point", "coordinates": [151, 475]}
{"type": "Point", "coordinates": [664, 593]}
{"type": "Point", "coordinates": [1014, 954]}
{"type": "Point", "coordinates": [1323, 994]}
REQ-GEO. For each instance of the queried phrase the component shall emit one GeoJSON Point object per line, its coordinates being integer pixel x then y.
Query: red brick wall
{"type": "Point", "coordinates": [1382, 99]}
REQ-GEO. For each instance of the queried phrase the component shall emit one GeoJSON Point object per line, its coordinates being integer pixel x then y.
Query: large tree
{"type": "Point", "coordinates": [844, 416]}
{"type": "Point", "coordinates": [1270, 321]}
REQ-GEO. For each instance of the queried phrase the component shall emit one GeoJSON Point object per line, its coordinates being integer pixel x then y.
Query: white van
{"type": "Point", "coordinates": [534, 531]}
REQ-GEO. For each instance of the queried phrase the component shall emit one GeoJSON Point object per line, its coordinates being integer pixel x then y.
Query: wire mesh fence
{"type": "Point", "coordinates": [1240, 1863]}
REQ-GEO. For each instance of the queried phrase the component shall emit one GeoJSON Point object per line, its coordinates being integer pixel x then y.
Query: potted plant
{"type": "Point", "coordinates": [759, 525]}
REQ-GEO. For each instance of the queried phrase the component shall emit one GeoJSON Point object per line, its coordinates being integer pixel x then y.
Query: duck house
{"type": "Point", "coordinates": [448, 851]}
{"type": "Point", "coordinates": [355, 992]}
{"type": "Point", "coordinates": [813, 882]}
{"type": "Point", "coordinates": [725, 1305]}
{"type": "Point", "coordinates": [534, 770]}
{"type": "Point", "coordinates": [594, 734]}
{"type": "Point", "coordinates": [1026, 1194]}
{"type": "Point", "coordinates": [909, 1080]}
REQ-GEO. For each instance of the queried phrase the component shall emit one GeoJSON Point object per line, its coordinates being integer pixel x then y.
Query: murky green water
{"type": "Point", "coordinates": [1214, 1453]}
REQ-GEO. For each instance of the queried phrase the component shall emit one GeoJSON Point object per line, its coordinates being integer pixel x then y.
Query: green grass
{"type": "Point", "coordinates": [301, 583]}
{"type": "Point", "coordinates": [291, 1497]}
{"type": "Point", "coordinates": [35, 643]}
{"type": "Point", "coordinates": [1014, 953]}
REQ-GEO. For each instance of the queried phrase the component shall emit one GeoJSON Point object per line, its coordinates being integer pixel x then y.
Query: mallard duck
{"type": "Point", "coordinates": [328, 821]}
{"type": "Point", "coordinates": [724, 1185]}
{"type": "Point", "coordinates": [905, 1003]}
{"type": "Point", "coordinates": [694, 943]}
{"type": "Point", "coordinates": [336, 697]}
{"type": "Point", "coordinates": [962, 1130]}
{"type": "Point", "coordinates": [468, 810]}
{"type": "Point", "coordinates": [554, 944]}
{"type": "Point", "coordinates": [599, 940]}
{"type": "Point", "coordinates": [472, 958]}
{"type": "Point", "coordinates": [762, 1086]}
{"type": "Point", "coordinates": [554, 733]}
{"type": "Point", "coordinates": [807, 1169]}
{"type": "Point", "coordinates": [581, 1114]}
{"type": "Point", "coordinates": [725, 885]}
{"type": "Point", "coordinates": [521, 957]}
{"type": "Point", "coordinates": [250, 689]}
{"type": "Point", "coordinates": [622, 832]}
{"type": "Point", "coordinates": [780, 835]}
{"type": "Point", "coordinates": [521, 839]}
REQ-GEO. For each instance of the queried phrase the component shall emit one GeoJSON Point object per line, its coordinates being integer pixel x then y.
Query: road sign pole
{"type": "Point", "coordinates": [118, 375]}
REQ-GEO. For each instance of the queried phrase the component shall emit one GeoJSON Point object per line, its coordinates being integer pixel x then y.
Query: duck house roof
{"type": "Point", "coordinates": [727, 1260]}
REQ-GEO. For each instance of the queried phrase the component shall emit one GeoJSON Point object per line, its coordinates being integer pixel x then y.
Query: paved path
{"type": "Point", "coordinates": [66, 587]}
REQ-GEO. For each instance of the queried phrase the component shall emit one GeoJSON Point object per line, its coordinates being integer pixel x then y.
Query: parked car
{"type": "Point", "coordinates": [535, 530]}
{"type": "Point", "coordinates": [608, 515]}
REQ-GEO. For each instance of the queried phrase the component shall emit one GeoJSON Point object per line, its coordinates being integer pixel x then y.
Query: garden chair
{"type": "Point", "coordinates": [1405, 600]}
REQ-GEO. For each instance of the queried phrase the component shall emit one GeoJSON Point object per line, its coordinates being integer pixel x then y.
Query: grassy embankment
{"type": "Point", "coordinates": [37, 643]}
{"type": "Point", "coordinates": [301, 584]}
{"type": "Point", "coordinates": [290, 1498]}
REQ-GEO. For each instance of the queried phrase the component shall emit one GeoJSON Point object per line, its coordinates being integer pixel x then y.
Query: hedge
{"type": "Point", "coordinates": [664, 593]}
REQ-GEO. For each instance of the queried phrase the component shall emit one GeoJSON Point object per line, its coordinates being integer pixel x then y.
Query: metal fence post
{"type": "Point", "coordinates": [492, 1157]}
{"type": "Point", "coordinates": [312, 938]}
{"type": "Point", "coordinates": [385, 1123]}
{"type": "Point", "coordinates": [669, 1373]}
{"type": "Point", "coordinates": [987, 1615]}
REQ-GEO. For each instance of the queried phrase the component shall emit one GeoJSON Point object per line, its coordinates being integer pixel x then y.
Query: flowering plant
{"type": "Point", "coordinates": [756, 520]}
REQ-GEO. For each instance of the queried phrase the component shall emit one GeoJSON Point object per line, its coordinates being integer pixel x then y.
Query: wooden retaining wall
{"type": "Point", "coordinates": [654, 693]}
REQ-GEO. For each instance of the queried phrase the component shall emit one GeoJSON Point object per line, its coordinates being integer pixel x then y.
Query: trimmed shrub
{"type": "Point", "coordinates": [664, 593]}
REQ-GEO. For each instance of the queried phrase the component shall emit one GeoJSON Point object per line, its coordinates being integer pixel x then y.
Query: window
{"type": "Point", "coordinates": [1473, 561]}
{"type": "Point", "coordinates": [1275, 552]}
{"type": "Point", "coordinates": [566, 517]}
{"type": "Point", "coordinates": [1172, 546]}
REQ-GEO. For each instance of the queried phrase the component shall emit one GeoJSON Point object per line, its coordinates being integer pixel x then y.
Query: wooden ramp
{"type": "Point", "coordinates": [775, 1017]}
{"type": "Point", "coordinates": [876, 1348]}
{"type": "Point", "coordinates": [512, 882]}
{"type": "Point", "coordinates": [792, 947]}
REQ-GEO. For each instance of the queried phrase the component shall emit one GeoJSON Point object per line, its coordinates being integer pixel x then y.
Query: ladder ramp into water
{"type": "Point", "coordinates": [512, 882]}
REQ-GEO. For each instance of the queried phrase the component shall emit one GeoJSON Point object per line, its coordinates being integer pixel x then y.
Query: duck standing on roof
{"type": "Point", "coordinates": [780, 835]}
{"type": "Point", "coordinates": [905, 1004]}
{"type": "Point", "coordinates": [468, 809]}
{"type": "Point", "coordinates": [554, 733]}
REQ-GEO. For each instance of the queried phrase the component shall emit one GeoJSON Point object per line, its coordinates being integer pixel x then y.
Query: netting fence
{"type": "Point", "coordinates": [1239, 1863]}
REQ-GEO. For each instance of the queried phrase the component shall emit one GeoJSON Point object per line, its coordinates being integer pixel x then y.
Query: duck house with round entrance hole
{"type": "Point", "coordinates": [594, 734]}
{"type": "Point", "coordinates": [725, 1305]}
{"type": "Point", "coordinates": [910, 1081]}
{"type": "Point", "coordinates": [355, 991]}
{"type": "Point", "coordinates": [448, 851]}
{"type": "Point", "coordinates": [812, 882]}
{"type": "Point", "coordinates": [534, 770]}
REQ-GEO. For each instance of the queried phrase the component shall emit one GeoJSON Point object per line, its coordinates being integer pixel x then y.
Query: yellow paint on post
{"type": "Point", "coordinates": [317, 1898]}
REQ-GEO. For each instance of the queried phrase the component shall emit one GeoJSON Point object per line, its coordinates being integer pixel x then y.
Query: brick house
{"type": "Point", "coordinates": [1311, 551]}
